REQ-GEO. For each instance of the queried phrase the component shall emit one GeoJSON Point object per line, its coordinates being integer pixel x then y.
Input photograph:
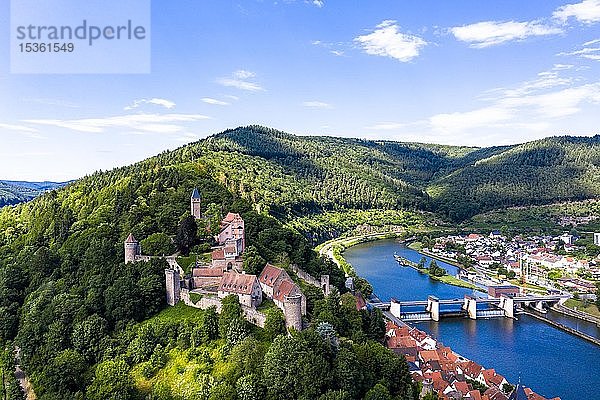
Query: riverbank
{"type": "Point", "coordinates": [563, 309]}
{"type": "Point", "coordinates": [335, 247]}
{"type": "Point", "coordinates": [418, 247]}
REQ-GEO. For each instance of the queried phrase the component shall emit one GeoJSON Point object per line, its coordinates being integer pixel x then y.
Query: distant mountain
{"type": "Point", "coordinates": [14, 192]}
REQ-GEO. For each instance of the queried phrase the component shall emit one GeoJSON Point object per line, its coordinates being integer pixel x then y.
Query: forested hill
{"type": "Point", "coordinates": [14, 192]}
{"type": "Point", "coordinates": [535, 173]}
{"type": "Point", "coordinates": [304, 174]}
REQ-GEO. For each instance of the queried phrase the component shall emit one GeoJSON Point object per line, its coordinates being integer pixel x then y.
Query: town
{"type": "Point", "coordinates": [552, 263]}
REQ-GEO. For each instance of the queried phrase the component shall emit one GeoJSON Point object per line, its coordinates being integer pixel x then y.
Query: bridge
{"type": "Point", "coordinates": [503, 306]}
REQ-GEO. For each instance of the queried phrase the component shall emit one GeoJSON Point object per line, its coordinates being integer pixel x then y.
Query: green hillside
{"type": "Point", "coordinates": [14, 192]}
{"type": "Point", "coordinates": [76, 310]}
{"type": "Point", "coordinates": [535, 173]}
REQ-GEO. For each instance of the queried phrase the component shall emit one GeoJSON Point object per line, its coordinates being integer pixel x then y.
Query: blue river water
{"type": "Point", "coordinates": [550, 361]}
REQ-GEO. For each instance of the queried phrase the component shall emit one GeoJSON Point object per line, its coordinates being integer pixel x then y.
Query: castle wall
{"type": "Point", "coordinates": [252, 315]}
{"type": "Point", "coordinates": [322, 284]}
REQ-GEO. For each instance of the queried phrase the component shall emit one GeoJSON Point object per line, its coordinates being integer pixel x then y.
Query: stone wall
{"type": "Point", "coordinates": [306, 277]}
{"type": "Point", "coordinates": [252, 315]}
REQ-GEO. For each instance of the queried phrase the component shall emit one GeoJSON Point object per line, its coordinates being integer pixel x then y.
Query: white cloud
{"type": "Point", "coordinates": [318, 3]}
{"type": "Point", "coordinates": [591, 42]}
{"type": "Point", "coordinates": [140, 123]}
{"type": "Point", "coordinates": [387, 41]}
{"type": "Point", "coordinates": [243, 74]}
{"type": "Point", "coordinates": [240, 80]}
{"type": "Point", "coordinates": [462, 121]}
{"type": "Point", "coordinates": [216, 102]}
{"type": "Point", "coordinates": [317, 104]}
{"type": "Point", "coordinates": [21, 129]}
{"type": "Point", "coordinates": [338, 53]}
{"type": "Point", "coordinates": [154, 101]}
{"type": "Point", "coordinates": [532, 108]}
{"type": "Point", "coordinates": [232, 97]}
{"type": "Point", "coordinates": [590, 53]}
{"type": "Point", "coordinates": [490, 33]}
{"type": "Point", "coordinates": [588, 12]}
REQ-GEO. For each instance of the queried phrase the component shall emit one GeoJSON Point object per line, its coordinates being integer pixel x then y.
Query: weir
{"type": "Point", "coordinates": [504, 306]}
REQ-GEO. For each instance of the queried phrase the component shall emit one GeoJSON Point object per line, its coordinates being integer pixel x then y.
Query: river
{"type": "Point", "coordinates": [550, 361]}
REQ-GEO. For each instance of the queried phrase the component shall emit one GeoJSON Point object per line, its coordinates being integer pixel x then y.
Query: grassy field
{"type": "Point", "coordinates": [187, 262]}
{"type": "Point", "coordinates": [578, 305]}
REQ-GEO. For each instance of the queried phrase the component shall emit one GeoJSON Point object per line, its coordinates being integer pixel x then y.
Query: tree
{"type": "Point", "coordinates": [63, 374]}
{"type": "Point", "coordinates": [247, 388]}
{"type": "Point", "coordinates": [237, 331]}
{"type": "Point", "coordinates": [88, 336]}
{"type": "Point", "coordinates": [253, 261]}
{"type": "Point", "coordinates": [275, 323]}
{"type": "Point", "coordinates": [327, 332]}
{"type": "Point", "coordinates": [158, 244]}
{"type": "Point", "coordinates": [210, 324]}
{"type": "Point", "coordinates": [111, 382]}
{"type": "Point", "coordinates": [230, 311]}
{"type": "Point", "coordinates": [378, 392]}
{"type": "Point", "coordinates": [336, 395]}
{"type": "Point", "coordinates": [507, 388]}
{"type": "Point", "coordinates": [347, 373]}
{"type": "Point", "coordinates": [186, 234]}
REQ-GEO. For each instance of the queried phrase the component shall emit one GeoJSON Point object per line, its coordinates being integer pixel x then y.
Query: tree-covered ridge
{"type": "Point", "coordinates": [347, 173]}
{"type": "Point", "coordinates": [535, 173]}
{"type": "Point", "coordinates": [14, 192]}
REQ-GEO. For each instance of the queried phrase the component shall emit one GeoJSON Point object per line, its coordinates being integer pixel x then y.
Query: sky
{"type": "Point", "coordinates": [462, 72]}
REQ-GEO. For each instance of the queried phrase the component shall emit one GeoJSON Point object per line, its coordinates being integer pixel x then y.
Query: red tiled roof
{"type": "Point", "coordinates": [207, 272]}
{"type": "Point", "coordinates": [284, 289]}
{"type": "Point", "coordinates": [492, 378]}
{"type": "Point", "coordinates": [475, 395]}
{"type": "Point", "coordinates": [237, 283]}
{"type": "Point", "coordinates": [429, 355]}
{"type": "Point", "coordinates": [218, 254]}
{"type": "Point", "coordinates": [462, 387]}
{"type": "Point", "coordinates": [130, 239]}
{"type": "Point", "coordinates": [471, 369]}
{"type": "Point", "coordinates": [269, 275]}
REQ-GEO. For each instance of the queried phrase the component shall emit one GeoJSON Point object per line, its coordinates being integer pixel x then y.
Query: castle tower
{"type": "Point", "coordinates": [132, 249]}
{"type": "Point", "coordinates": [173, 285]}
{"type": "Point", "coordinates": [293, 311]}
{"type": "Point", "coordinates": [325, 284]}
{"type": "Point", "coordinates": [195, 202]}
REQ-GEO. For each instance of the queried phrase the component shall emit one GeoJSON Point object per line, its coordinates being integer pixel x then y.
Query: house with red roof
{"type": "Point", "coordinates": [276, 284]}
{"type": "Point", "coordinates": [493, 379]}
{"type": "Point", "coordinates": [245, 286]}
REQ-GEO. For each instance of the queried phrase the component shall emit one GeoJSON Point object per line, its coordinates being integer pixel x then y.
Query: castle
{"type": "Point", "coordinates": [225, 275]}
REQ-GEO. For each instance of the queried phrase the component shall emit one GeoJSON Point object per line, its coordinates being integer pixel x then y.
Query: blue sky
{"type": "Point", "coordinates": [454, 72]}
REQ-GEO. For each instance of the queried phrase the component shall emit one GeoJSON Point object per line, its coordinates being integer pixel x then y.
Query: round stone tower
{"type": "Point", "coordinates": [293, 311]}
{"type": "Point", "coordinates": [132, 249]}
